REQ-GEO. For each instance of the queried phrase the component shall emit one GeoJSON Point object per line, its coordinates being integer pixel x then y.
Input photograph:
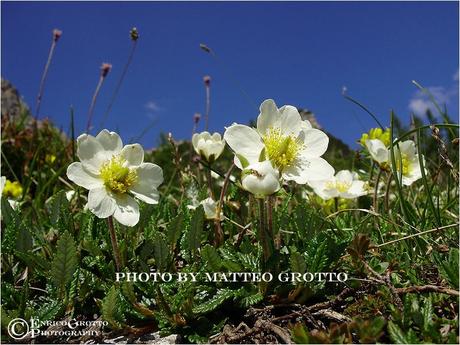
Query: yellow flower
{"type": "Point", "coordinates": [376, 133]}
{"type": "Point", "coordinates": [49, 158]}
{"type": "Point", "coordinates": [12, 189]}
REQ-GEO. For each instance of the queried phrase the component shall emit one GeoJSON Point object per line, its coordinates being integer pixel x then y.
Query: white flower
{"type": "Point", "coordinates": [113, 174]}
{"type": "Point", "coordinates": [406, 158]}
{"type": "Point", "coordinates": [261, 179]}
{"type": "Point", "coordinates": [69, 195]}
{"type": "Point", "coordinates": [210, 209]}
{"type": "Point", "coordinates": [377, 150]}
{"type": "Point", "coordinates": [292, 145]}
{"type": "Point", "coordinates": [407, 162]}
{"type": "Point", "coordinates": [208, 146]}
{"type": "Point", "coordinates": [344, 184]}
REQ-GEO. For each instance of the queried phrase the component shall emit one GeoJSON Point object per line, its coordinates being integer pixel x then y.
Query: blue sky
{"type": "Point", "coordinates": [300, 53]}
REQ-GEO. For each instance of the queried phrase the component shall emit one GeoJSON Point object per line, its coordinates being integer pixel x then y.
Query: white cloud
{"type": "Point", "coordinates": [421, 102]}
{"type": "Point", "coordinates": [151, 106]}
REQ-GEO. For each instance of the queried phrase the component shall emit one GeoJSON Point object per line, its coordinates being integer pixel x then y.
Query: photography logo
{"type": "Point", "coordinates": [18, 328]}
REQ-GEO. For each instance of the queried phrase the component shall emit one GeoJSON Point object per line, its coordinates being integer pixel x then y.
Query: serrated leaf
{"type": "Point", "coordinates": [251, 300]}
{"type": "Point", "coordinates": [210, 255]}
{"type": "Point", "coordinates": [128, 291]}
{"type": "Point", "coordinates": [161, 252]}
{"type": "Point", "coordinates": [396, 333]}
{"type": "Point", "coordinates": [427, 312]}
{"type": "Point", "coordinates": [175, 229]}
{"type": "Point", "coordinates": [220, 297]}
{"type": "Point", "coordinates": [111, 308]}
{"type": "Point", "coordinates": [249, 261]}
{"type": "Point", "coordinates": [49, 311]}
{"type": "Point", "coordinates": [449, 268]}
{"type": "Point", "coordinates": [298, 263]}
{"type": "Point", "coordinates": [64, 261]}
{"type": "Point", "coordinates": [56, 206]}
{"type": "Point", "coordinates": [196, 229]}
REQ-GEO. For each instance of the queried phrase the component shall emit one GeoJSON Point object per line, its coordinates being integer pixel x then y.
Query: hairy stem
{"type": "Point", "coordinates": [93, 103]}
{"type": "Point", "coordinates": [113, 239]}
{"type": "Point", "coordinates": [264, 234]}
{"type": "Point", "coordinates": [44, 75]}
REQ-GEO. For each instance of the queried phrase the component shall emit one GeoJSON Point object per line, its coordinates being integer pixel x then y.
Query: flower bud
{"type": "Point", "coordinates": [261, 179]}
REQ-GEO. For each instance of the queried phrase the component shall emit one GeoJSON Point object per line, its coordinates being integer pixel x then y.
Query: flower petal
{"type": "Point", "coordinates": [77, 174]}
{"type": "Point", "coordinates": [356, 190]}
{"type": "Point", "coordinates": [110, 141]}
{"type": "Point", "coordinates": [244, 141]}
{"type": "Point", "coordinates": [134, 154]}
{"type": "Point", "coordinates": [377, 150]}
{"type": "Point", "coordinates": [149, 177]}
{"type": "Point", "coordinates": [344, 176]}
{"type": "Point", "coordinates": [127, 210]}
{"type": "Point", "coordinates": [310, 169]}
{"type": "Point", "coordinates": [315, 142]}
{"type": "Point", "coordinates": [101, 203]}
{"type": "Point", "coordinates": [268, 117]}
{"type": "Point", "coordinates": [407, 147]}
{"type": "Point", "coordinates": [291, 122]}
{"type": "Point", "coordinates": [91, 153]}
{"type": "Point", "coordinates": [261, 179]}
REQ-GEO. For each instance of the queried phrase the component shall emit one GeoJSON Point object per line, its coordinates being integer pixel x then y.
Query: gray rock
{"type": "Point", "coordinates": [12, 105]}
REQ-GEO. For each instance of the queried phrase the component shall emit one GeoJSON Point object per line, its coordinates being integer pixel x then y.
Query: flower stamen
{"type": "Point", "coordinates": [116, 176]}
{"type": "Point", "coordinates": [281, 149]}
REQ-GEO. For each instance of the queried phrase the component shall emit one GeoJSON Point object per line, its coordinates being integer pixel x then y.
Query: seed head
{"type": "Point", "coordinates": [56, 34]}
{"type": "Point", "coordinates": [134, 34]}
{"type": "Point", "coordinates": [105, 69]}
{"type": "Point", "coordinates": [207, 80]}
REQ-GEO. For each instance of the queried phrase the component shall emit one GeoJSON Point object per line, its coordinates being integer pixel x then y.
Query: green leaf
{"type": "Point", "coordinates": [251, 300]}
{"type": "Point", "coordinates": [111, 308]}
{"type": "Point", "coordinates": [449, 268]}
{"type": "Point", "coordinates": [396, 333]}
{"type": "Point", "coordinates": [210, 255]}
{"type": "Point", "coordinates": [161, 252]}
{"type": "Point", "coordinates": [220, 297]}
{"type": "Point", "coordinates": [300, 334]}
{"type": "Point", "coordinates": [298, 263]}
{"type": "Point", "coordinates": [427, 312]}
{"type": "Point", "coordinates": [57, 206]}
{"type": "Point", "coordinates": [49, 310]}
{"type": "Point", "coordinates": [196, 229]}
{"type": "Point", "coordinates": [64, 262]}
{"type": "Point", "coordinates": [128, 291]}
{"type": "Point", "coordinates": [175, 229]}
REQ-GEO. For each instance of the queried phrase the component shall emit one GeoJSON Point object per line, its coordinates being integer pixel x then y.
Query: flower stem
{"type": "Point", "coordinates": [264, 234]}
{"type": "Point", "coordinates": [376, 190]}
{"type": "Point", "coordinates": [208, 105]}
{"type": "Point", "coordinates": [209, 181]}
{"type": "Point", "coordinates": [93, 103]}
{"type": "Point", "coordinates": [120, 82]}
{"type": "Point", "coordinates": [44, 75]}
{"type": "Point", "coordinates": [113, 239]}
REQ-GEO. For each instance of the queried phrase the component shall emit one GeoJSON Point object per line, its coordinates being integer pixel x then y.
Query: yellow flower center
{"type": "Point", "coordinates": [341, 187]}
{"type": "Point", "coordinates": [12, 189]}
{"type": "Point", "coordinates": [116, 176]}
{"type": "Point", "coordinates": [402, 164]}
{"type": "Point", "coordinates": [281, 149]}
